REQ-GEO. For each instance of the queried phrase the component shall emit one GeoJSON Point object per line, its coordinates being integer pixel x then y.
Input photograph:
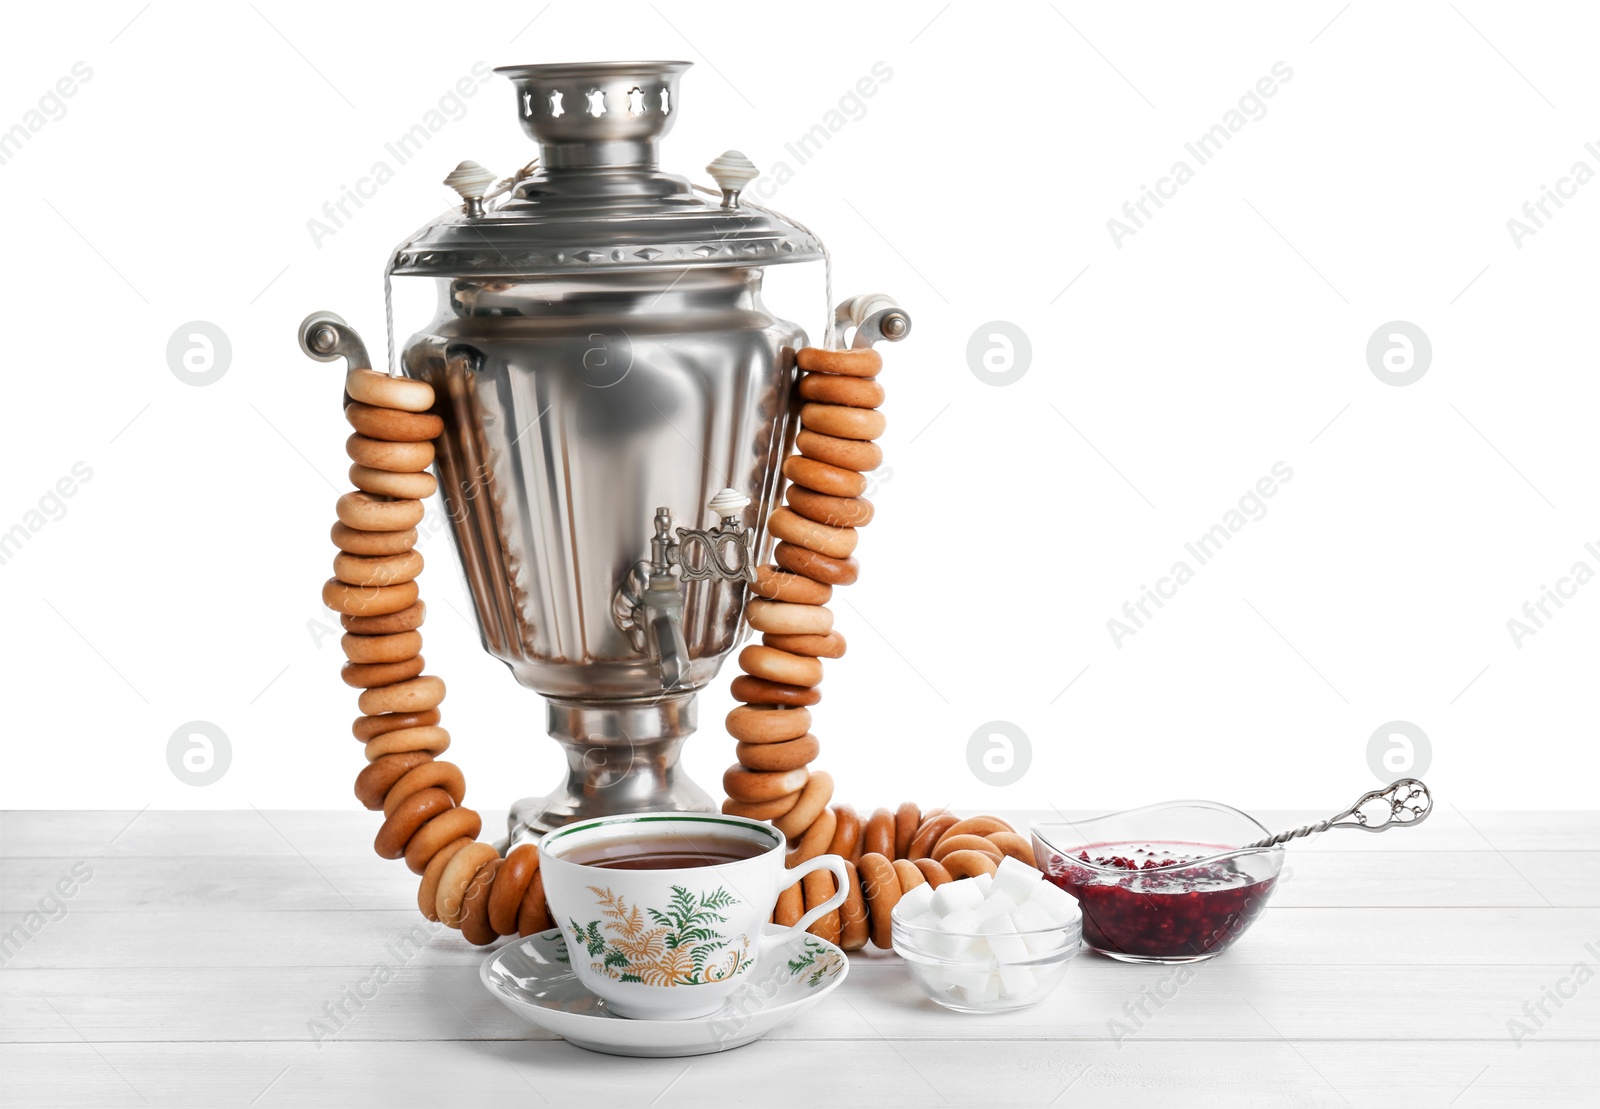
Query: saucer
{"type": "Point", "coordinates": [533, 977]}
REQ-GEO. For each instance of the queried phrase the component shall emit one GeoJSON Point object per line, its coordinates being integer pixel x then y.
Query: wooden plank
{"type": "Point", "coordinates": [1099, 999]}
{"type": "Point", "coordinates": [88, 938]}
{"type": "Point", "coordinates": [1441, 878]}
{"type": "Point", "coordinates": [156, 833]}
{"type": "Point", "coordinates": [273, 882]}
{"type": "Point", "coordinates": [100, 834]}
{"type": "Point", "coordinates": [1448, 828]}
{"type": "Point", "coordinates": [249, 884]}
{"type": "Point", "coordinates": [949, 1070]}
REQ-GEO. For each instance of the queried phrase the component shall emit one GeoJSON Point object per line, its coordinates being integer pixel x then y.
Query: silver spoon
{"type": "Point", "coordinates": [1403, 804]}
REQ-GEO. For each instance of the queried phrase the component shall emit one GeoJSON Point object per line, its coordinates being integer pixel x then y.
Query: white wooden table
{"type": "Point", "coordinates": [188, 967]}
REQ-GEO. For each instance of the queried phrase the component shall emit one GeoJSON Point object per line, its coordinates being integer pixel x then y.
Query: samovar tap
{"type": "Point", "coordinates": [653, 616]}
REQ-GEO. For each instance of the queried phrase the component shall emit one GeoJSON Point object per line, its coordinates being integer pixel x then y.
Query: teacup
{"type": "Point", "coordinates": [664, 913]}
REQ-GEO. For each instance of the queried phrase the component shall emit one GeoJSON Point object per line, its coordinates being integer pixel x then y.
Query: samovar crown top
{"type": "Point", "coordinates": [595, 199]}
{"type": "Point", "coordinates": [589, 114]}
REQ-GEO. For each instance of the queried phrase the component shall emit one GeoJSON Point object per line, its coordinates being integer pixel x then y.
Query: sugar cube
{"type": "Point", "coordinates": [984, 882]}
{"type": "Point", "coordinates": [972, 979]}
{"type": "Point", "coordinates": [1030, 916]}
{"type": "Point", "coordinates": [1043, 943]}
{"type": "Point", "coordinates": [1016, 879]}
{"type": "Point", "coordinates": [944, 944]}
{"type": "Point", "coordinates": [1006, 945]}
{"type": "Point", "coordinates": [915, 901]}
{"type": "Point", "coordinates": [1060, 904]}
{"type": "Point", "coordinates": [996, 906]}
{"type": "Point", "coordinates": [1016, 982]}
{"type": "Point", "coordinates": [956, 895]}
{"type": "Point", "coordinates": [962, 920]}
{"type": "Point", "coordinates": [1041, 933]}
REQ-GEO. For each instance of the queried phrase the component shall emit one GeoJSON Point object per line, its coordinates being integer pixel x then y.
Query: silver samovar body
{"type": "Point", "coordinates": [617, 405]}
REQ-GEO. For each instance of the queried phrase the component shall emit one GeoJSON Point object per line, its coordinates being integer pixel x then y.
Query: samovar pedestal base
{"type": "Point", "coordinates": [622, 757]}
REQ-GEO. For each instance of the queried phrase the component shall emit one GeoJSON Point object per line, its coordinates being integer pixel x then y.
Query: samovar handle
{"type": "Point", "coordinates": [325, 336]}
{"type": "Point", "coordinates": [876, 318]}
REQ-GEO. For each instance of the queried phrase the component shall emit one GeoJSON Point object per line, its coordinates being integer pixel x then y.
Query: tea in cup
{"type": "Point", "coordinates": [663, 913]}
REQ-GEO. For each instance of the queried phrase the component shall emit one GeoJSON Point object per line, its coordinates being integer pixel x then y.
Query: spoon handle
{"type": "Point", "coordinates": [1403, 804]}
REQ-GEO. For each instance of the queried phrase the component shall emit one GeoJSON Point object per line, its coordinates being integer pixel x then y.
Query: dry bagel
{"type": "Point", "coordinates": [817, 838]}
{"type": "Point", "coordinates": [379, 454]}
{"type": "Point", "coordinates": [384, 391]}
{"type": "Point", "coordinates": [410, 815]}
{"type": "Point", "coordinates": [381, 648]}
{"type": "Point", "coordinates": [368, 600]}
{"type": "Point", "coordinates": [367, 543]}
{"type": "Point", "coordinates": [835, 481]}
{"type": "Point", "coordinates": [948, 845]}
{"type": "Point", "coordinates": [367, 728]}
{"type": "Point", "coordinates": [842, 421]}
{"type": "Point", "coordinates": [372, 784]}
{"type": "Point", "coordinates": [407, 619]}
{"type": "Point", "coordinates": [386, 483]}
{"type": "Point", "coordinates": [761, 724]}
{"type": "Point", "coordinates": [392, 424]}
{"type": "Point", "coordinates": [790, 754]}
{"type": "Point", "coordinates": [842, 512]}
{"type": "Point", "coordinates": [857, 392]}
{"type": "Point", "coordinates": [755, 785]}
{"type": "Point", "coordinates": [428, 889]}
{"type": "Point", "coordinates": [831, 645]}
{"type": "Point", "coordinates": [853, 362]}
{"type": "Point", "coordinates": [365, 512]}
{"type": "Point", "coordinates": [780, 585]}
{"type": "Point", "coordinates": [429, 775]}
{"type": "Point", "coordinates": [415, 695]}
{"type": "Point", "coordinates": [847, 454]}
{"type": "Point", "coordinates": [369, 675]}
{"type": "Point", "coordinates": [813, 799]}
{"type": "Point", "coordinates": [759, 691]}
{"type": "Point", "coordinates": [779, 666]}
{"type": "Point", "coordinates": [785, 618]}
{"type": "Point", "coordinates": [761, 810]}
{"type": "Point", "coordinates": [835, 571]}
{"type": "Point", "coordinates": [879, 834]}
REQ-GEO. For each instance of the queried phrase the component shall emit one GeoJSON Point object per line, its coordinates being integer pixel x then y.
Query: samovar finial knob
{"type": "Point", "coordinates": [729, 504]}
{"type": "Point", "coordinates": [732, 171]}
{"type": "Point", "coordinates": [471, 181]}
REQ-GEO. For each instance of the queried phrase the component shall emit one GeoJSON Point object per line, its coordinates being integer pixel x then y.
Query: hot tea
{"type": "Point", "coordinates": [670, 852]}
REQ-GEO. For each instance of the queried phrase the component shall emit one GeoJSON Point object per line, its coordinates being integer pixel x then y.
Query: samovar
{"type": "Point", "coordinates": [617, 405]}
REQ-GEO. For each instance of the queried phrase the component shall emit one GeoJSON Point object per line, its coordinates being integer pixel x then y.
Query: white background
{"type": "Point", "coordinates": [1226, 335]}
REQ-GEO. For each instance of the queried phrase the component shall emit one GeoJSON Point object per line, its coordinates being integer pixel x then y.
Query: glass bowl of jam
{"type": "Point", "coordinates": [1167, 883]}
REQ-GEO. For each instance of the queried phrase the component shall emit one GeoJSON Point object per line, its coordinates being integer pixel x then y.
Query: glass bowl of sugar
{"type": "Point", "coordinates": [991, 943]}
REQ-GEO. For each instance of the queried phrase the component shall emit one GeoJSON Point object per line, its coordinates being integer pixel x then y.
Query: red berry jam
{"type": "Point", "coordinates": [1141, 901]}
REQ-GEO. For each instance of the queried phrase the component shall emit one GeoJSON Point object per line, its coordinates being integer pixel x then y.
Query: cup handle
{"type": "Point", "coordinates": [834, 863]}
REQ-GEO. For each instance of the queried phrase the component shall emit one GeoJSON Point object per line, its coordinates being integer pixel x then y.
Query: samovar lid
{"type": "Point", "coordinates": [597, 201]}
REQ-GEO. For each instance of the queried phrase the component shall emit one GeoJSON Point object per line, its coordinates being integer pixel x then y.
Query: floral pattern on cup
{"type": "Point", "coordinates": [678, 945]}
{"type": "Point", "coordinates": [822, 961]}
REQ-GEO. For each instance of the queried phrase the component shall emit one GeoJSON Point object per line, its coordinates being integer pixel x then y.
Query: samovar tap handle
{"type": "Point", "coordinates": [725, 552]}
{"type": "Point", "coordinates": [876, 318]}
